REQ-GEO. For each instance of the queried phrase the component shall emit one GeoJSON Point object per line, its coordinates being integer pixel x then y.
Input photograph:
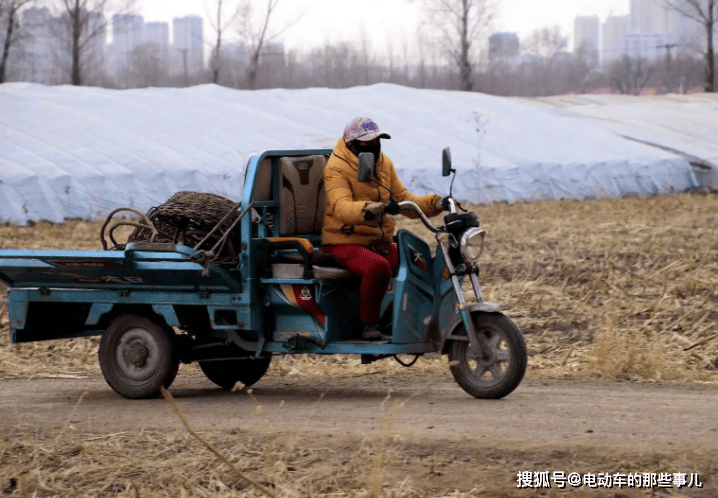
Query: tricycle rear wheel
{"type": "Point", "coordinates": [494, 373]}
{"type": "Point", "coordinates": [226, 373]}
{"type": "Point", "coordinates": [136, 357]}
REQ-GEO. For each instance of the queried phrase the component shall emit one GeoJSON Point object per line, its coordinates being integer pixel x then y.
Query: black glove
{"type": "Point", "coordinates": [442, 204]}
{"type": "Point", "coordinates": [392, 207]}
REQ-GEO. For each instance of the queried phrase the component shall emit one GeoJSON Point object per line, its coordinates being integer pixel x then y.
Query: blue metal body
{"type": "Point", "coordinates": [64, 294]}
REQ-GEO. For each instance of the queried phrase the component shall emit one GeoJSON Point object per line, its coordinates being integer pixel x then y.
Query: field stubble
{"type": "Point", "coordinates": [614, 289]}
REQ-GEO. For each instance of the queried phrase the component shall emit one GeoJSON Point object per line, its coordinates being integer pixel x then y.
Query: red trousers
{"type": "Point", "coordinates": [375, 271]}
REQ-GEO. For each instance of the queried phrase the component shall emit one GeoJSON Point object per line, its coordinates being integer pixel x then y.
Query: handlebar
{"type": "Point", "coordinates": [410, 206]}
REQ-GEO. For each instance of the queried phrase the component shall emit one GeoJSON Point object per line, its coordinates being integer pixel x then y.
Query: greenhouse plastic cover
{"type": "Point", "coordinates": [77, 152]}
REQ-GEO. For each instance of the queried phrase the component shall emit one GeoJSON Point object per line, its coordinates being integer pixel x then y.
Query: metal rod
{"type": "Point", "coordinates": [229, 230]}
{"type": "Point", "coordinates": [477, 288]}
{"type": "Point", "coordinates": [218, 225]}
{"type": "Point", "coordinates": [417, 210]}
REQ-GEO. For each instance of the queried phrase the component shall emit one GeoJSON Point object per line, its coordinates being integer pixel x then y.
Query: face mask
{"type": "Point", "coordinates": [357, 148]}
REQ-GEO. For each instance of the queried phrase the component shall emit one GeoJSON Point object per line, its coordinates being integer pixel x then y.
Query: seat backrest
{"type": "Point", "coordinates": [302, 197]}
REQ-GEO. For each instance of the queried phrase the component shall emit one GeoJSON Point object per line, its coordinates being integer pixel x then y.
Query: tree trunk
{"type": "Point", "coordinates": [75, 19]}
{"type": "Point", "coordinates": [252, 73]}
{"type": "Point", "coordinates": [710, 56]}
{"type": "Point", "coordinates": [215, 70]}
{"type": "Point", "coordinates": [464, 63]}
{"type": "Point", "coordinates": [8, 42]}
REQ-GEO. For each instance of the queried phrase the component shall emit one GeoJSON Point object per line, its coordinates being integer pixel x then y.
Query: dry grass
{"type": "Point", "coordinates": [601, 288]}
{"type": "Point", "coordinates": [77, 461]}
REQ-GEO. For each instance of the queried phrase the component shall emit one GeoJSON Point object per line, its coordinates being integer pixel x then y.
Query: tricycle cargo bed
{"type": "Point", "coordinates": [63, 294]}
{"type": "Point", "coordinates": [141, 267]}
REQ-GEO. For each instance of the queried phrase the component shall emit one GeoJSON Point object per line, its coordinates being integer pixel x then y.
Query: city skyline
{"type": "Point", "coordinates": [383, 21]}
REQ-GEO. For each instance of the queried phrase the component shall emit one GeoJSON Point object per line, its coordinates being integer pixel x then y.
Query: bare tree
{"type": "Point", "coordinates": [365, 56]}
{"type": "Point", "coordinates": [220, 26]}
{"type": "Point", "coordinates": [9, 10]}
{"type": "Point", "coordinates": [85, 24]}
{"type": "Point", "coordinates": [461, 22]}
{"type": "Point", "coordinates": [704, 12]}
{"type": "Point", "coordinates": [629, 75]}
{"type": "Point", "coordinates": [148, 66]}
{"type": "Point", "coordinates": [545, 42]}
{"type": "Point", "coordinates": [544, 46]}
{"type": "Point", "coordinates": [254, 29]}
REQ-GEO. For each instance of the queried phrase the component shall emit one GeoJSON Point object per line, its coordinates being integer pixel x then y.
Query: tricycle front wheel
{"type": "Point", "coordinates": [499, 368]}
{"type": "Point", "coordinates": [136, 357]}
{"type": "Point", "coordinates": [226, 373]}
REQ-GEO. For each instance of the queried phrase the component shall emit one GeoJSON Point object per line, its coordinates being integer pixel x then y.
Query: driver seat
{"type": "Point", "coordinates": [302, 205]}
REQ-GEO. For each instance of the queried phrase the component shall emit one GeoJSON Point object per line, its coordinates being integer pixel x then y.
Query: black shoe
{"type": "Point", "coordinates": [371, 332]}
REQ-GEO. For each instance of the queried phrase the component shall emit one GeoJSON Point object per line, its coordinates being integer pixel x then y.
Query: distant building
{"type": "Point", "coordinates": [649, 17]}
{"type": "Point", "coordinates": [42, 53]}
{"type": "Point", "coordinates": [127, 32]}
{"type": "Point", "coordinates": [94, 55]}
{"type": "Point", "coordinates": [34, 55]}
{"type": "Point", "coordinates": [127, 35]}
{"type": "Point", "coordinates": [157, 33]}
{"type": "Point", "coordinates": [645, 45]}
{"type": "Point", "coordinates": [187, 42]}
{"type": "Point", "coordinates": [504, 47]}
{"type": "Point", "coordinates": [615, 29]}
{"type": "Point", "coordinates": [234, 51]}
{"type": "Point", "coordinates": [275, 50]}
{"type": "Point", "coordinates": [586, 38]}
{"type": "Point", "coordinates": [651, 21]}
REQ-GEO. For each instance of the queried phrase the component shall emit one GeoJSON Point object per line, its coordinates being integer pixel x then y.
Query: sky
{"type": "Point", "coordinates": [386, 22]}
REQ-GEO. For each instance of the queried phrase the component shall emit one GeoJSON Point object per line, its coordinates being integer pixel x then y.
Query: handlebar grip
{"type": "Point", "coordinates": [392, 207]}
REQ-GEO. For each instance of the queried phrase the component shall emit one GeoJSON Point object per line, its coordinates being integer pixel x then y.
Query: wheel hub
{"type": "Point", "coordinates": [486, 355]}
{"type": "Point", "coordinates": [136, 354]}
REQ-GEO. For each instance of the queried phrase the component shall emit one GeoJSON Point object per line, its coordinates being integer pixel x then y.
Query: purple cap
{"type": "Point", "coordinates": [363, 129]}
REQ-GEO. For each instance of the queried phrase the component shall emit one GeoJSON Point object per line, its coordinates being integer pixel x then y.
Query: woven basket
{"type": "Point", "coordinates": [186, 218]}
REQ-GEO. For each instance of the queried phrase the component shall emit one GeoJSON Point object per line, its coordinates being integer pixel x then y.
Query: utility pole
{"type": "Point", "coordinates": [668, 47]}
{"type": "Point", "coordinates": [184, 57]}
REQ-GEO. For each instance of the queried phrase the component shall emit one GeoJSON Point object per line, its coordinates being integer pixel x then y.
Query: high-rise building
{"type": "Point", "coordinates": [649, 17]}
{"type": "Point", "coordinates": [586, 37]}
{"type": "Point", "coordinates": [648, 46]}
{"type": "Point", "coordinates": [127, 35]}
{"type": "Point", "coordinates": [95, 46]}
{"type": "Point", "coordinates": [157, 33]}
{"type": "Point", "coordinates": [127, 32]}
{"type": "Point", "coordinates": [654, 22]}
{"type": "Point", "coordinates": [615, 29]}
{"type": "Point", "coordinates": [504, 47]}
{"type": "Point", "coordinates": [188, 45]}
{"type": "Point", "coordinates": [687, 34]}
{"type": "Point", "coordinates": [36, 51]}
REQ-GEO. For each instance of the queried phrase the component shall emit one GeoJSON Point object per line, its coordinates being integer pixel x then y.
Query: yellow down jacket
{"type": "Point", "coordinates": [347, 197]}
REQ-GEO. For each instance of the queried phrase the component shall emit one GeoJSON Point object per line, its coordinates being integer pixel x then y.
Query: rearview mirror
{"type": "Point", "coordinates": [446, 162]}
{"type": "Point", "coordinates": [366, 167]}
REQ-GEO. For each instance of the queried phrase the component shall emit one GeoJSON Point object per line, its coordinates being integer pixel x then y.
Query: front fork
{"type": "Point", "coordinates": [475, 342]}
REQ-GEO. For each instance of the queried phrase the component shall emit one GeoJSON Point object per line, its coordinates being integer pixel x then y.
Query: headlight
{"type": "Point", "coordinates": [472, 244]}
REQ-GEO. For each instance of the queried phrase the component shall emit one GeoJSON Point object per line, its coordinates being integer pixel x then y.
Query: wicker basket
{"type": "Point", "coordinates": [187, 217]}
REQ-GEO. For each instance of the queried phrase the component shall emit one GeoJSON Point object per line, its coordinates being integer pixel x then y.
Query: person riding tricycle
{"type": "Point", "coordinates": [270, 278]}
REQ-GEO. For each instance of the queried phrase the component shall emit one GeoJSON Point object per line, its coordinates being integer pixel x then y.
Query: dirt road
{"type": "Point", "coordinates": [446, 440]}
{"type": "Point", "coordinates": [539, 410]}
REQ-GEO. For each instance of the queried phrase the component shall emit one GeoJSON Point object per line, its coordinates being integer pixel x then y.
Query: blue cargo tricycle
{"type": "Point", "coordinates": [257, 284]}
